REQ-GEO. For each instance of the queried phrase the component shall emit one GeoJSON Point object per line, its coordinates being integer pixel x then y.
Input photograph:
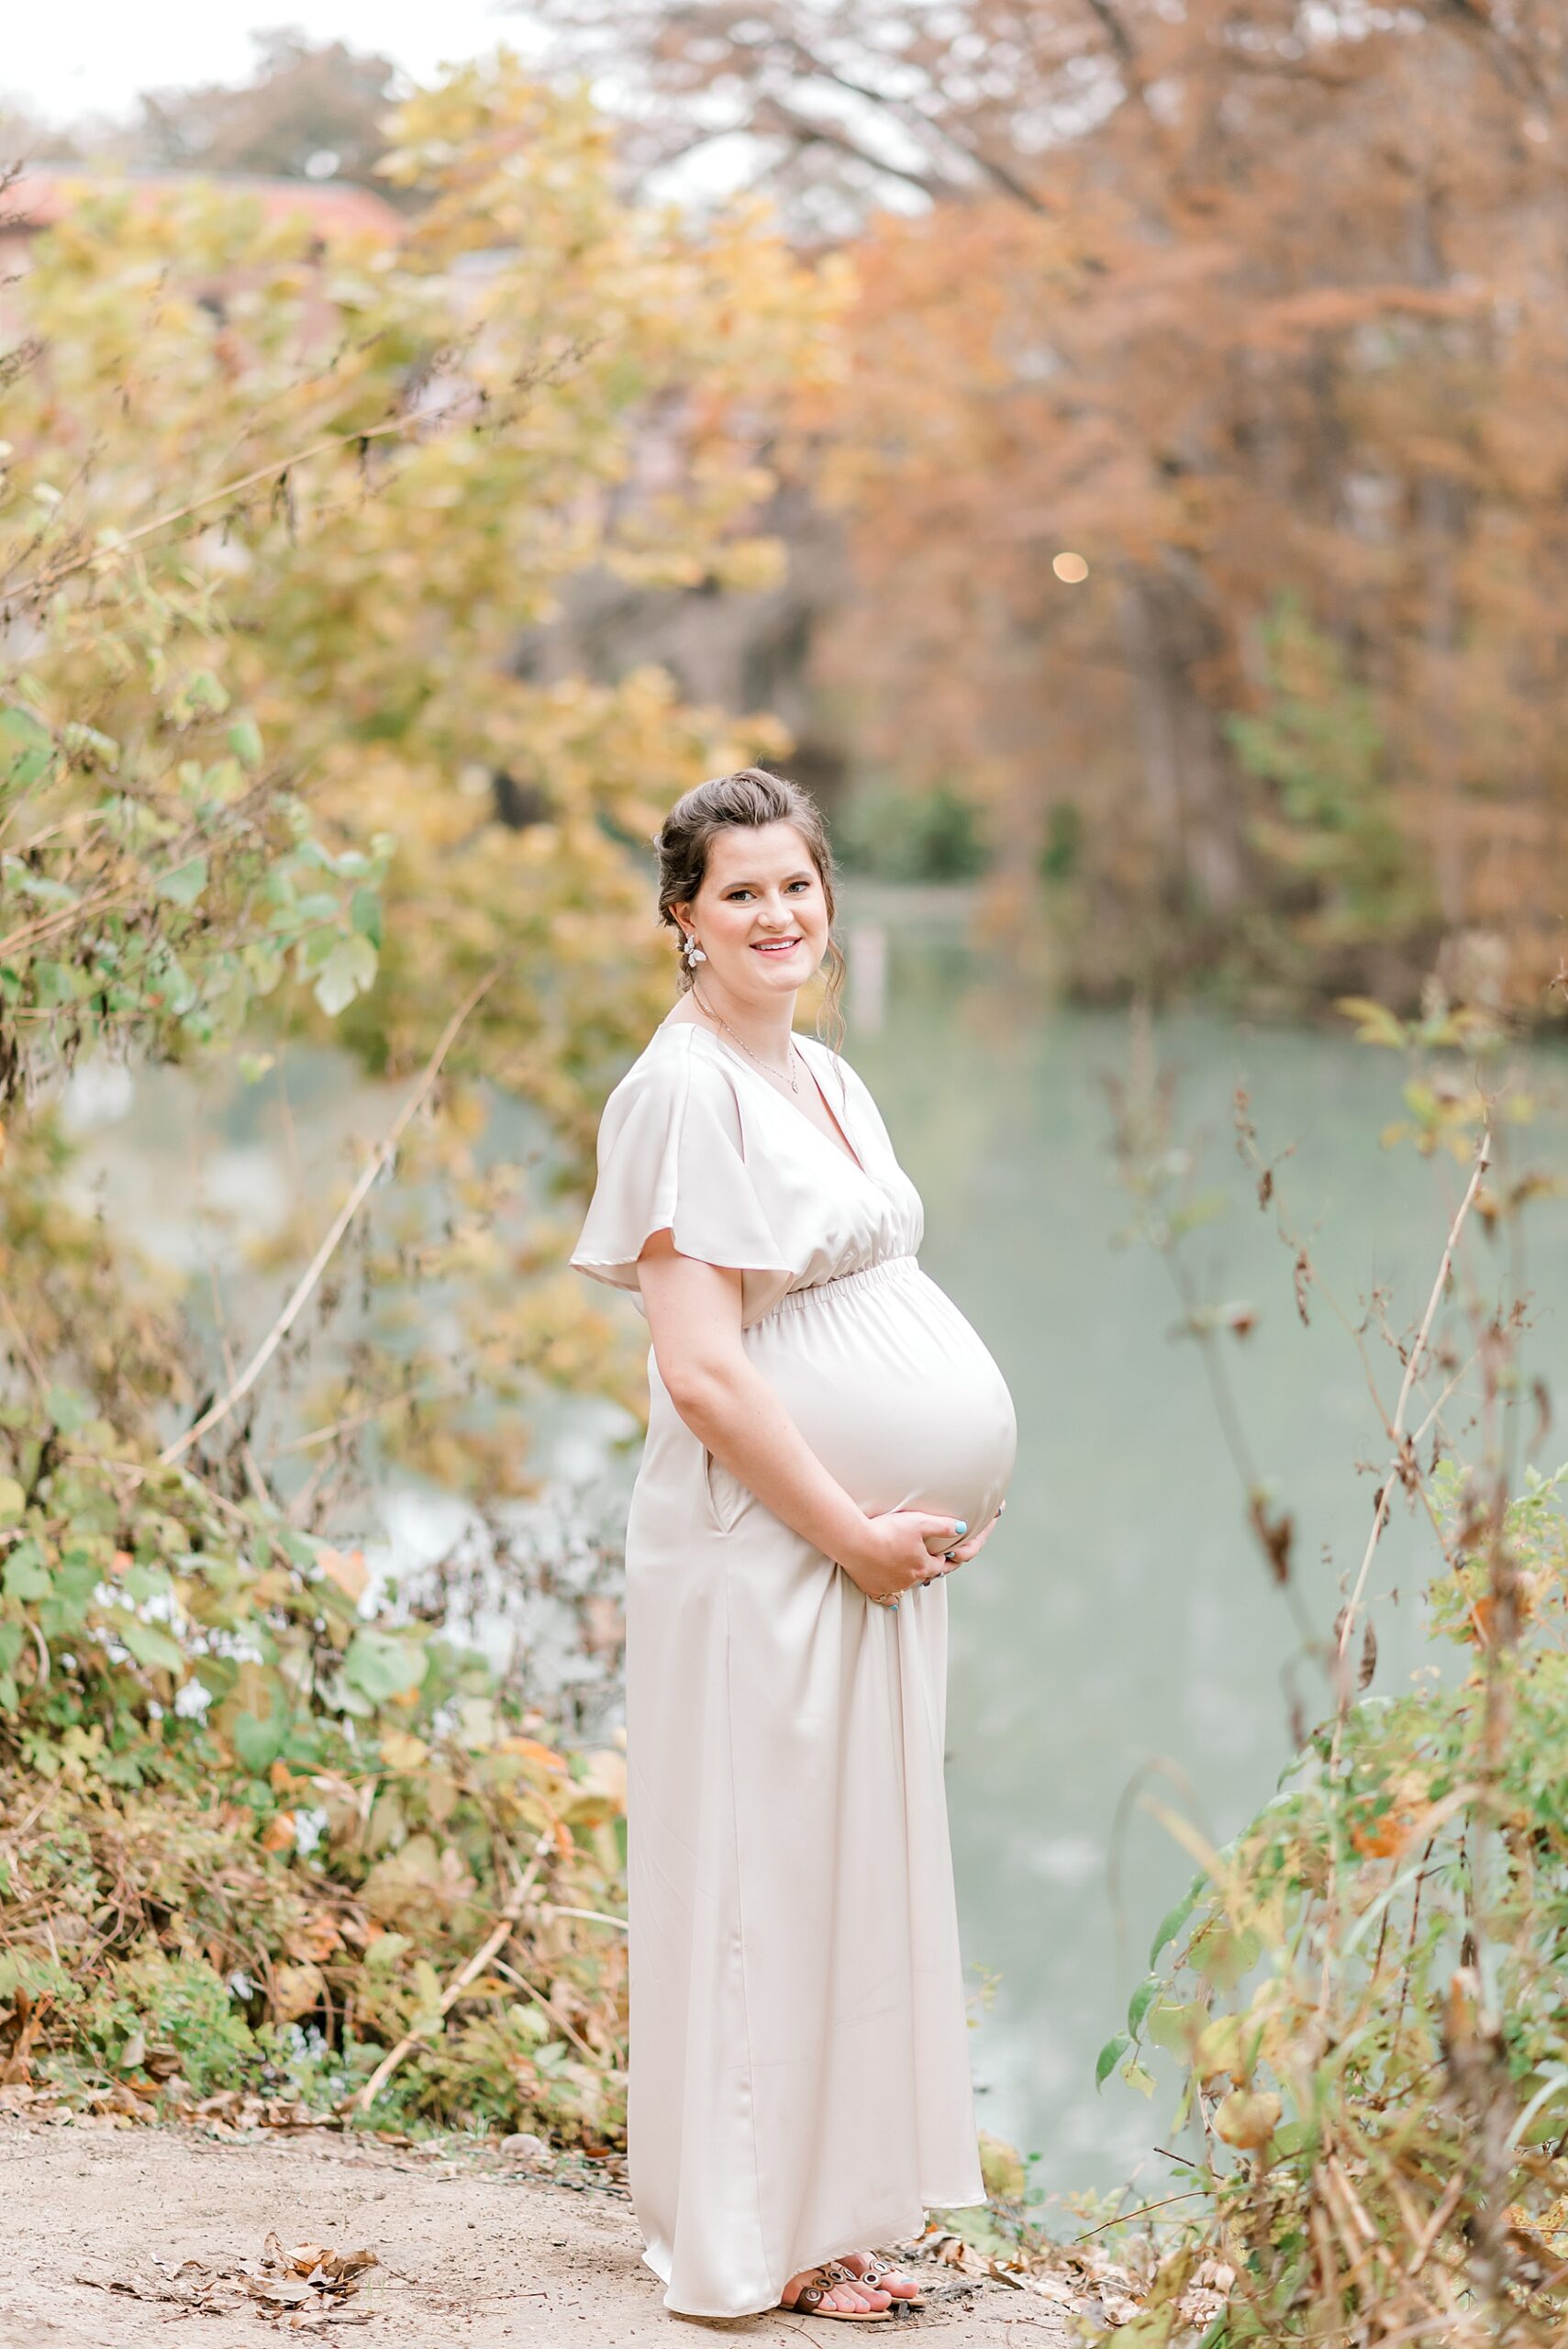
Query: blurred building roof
{"type": "Point", "coordinates": [45, 193]}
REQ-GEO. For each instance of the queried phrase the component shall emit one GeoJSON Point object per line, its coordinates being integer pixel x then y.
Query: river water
{"type": "Point", "coordinates": [1119, 1633]}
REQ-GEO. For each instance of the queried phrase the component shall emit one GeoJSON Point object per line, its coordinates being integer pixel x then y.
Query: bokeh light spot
{"type": "Point", "coordinates": [1070, 567]}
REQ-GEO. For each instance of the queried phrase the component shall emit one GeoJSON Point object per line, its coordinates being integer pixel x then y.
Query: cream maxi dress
{"type": "Point", "coordinates": [799, 2081]}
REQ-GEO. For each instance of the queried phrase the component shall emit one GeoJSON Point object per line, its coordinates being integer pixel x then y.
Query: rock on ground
{"type": "Point", "coordinates": [483, 2257]}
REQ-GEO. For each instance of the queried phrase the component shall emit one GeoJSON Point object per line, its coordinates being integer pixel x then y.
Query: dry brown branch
{"type": "Point", "coordinates": [559, 2020]}
{"type": "Point", "coordinates": [488, 1949]}
{"type": "Point", "coordinates": [46, 924]}
{"type": "Point", "coordinates": [1432, 2232]}
{"type": "Point", "coordinates": [1396, 1432]}
{"type": "Point", "coordinates": [52, 575]}
{"type": "Point", "coordinates": [380, 1157]}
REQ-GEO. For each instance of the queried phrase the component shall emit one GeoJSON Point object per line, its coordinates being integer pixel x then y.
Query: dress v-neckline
{"type": "Point", "coordinates": [849, 1150]}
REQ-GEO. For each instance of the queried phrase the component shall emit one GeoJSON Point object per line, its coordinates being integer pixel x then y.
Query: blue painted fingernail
{"type": "Point", "coordinates": [962, 1526]}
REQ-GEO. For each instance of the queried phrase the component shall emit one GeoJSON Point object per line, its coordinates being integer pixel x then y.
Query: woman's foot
{"type": "Point", "coordinates": [847, 2297]}
{"type": "Point", "coordinates": [851, 2293]}
{"type": "Point", "coordinates": [897, 2286]}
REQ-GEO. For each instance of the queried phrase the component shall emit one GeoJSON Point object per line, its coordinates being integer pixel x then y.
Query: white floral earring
{"type": "Point", "coordinates": [692, 952]}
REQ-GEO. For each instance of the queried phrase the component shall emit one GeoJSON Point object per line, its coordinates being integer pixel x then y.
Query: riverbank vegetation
{"type": "Point", "coordinates": [274, 513]}
{"type": "Point", "coordinates": [1363, 1992]}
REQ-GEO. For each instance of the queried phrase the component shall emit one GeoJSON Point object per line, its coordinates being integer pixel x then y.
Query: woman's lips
{"type": "Point", "coordinates": [776, 945]}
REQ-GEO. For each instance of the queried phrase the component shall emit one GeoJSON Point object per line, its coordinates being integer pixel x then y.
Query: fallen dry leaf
{"type": "Point", "coordinates": [302, 2289]}
{"type": "Point", "coordinates": [315, 1938]}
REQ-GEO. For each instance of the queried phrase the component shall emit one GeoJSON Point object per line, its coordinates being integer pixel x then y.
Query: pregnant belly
{"type": "Point", "coordinates": [893, 1391]}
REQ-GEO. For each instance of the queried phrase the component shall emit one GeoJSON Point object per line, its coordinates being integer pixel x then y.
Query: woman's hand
{"type": "Point", "coordinates": [953, 1551]}
{"type": "Point", "coordinates": [961, 1551]}
{"type": "Point", "coordinates": [900, 1549]}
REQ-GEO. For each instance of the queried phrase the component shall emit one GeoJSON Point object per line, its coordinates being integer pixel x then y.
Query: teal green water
{"type": "Point", "coordinates": [1121, 1618]}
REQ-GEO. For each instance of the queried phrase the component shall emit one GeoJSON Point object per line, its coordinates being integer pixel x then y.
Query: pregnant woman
{"type": "Point", "coordinates": [827, 1438]}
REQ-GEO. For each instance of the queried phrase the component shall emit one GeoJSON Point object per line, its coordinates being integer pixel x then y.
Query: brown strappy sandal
{"type": "Point", "coordinates": [875, 2269]}
{"type": "Point", "coordinates": [808, 2300]}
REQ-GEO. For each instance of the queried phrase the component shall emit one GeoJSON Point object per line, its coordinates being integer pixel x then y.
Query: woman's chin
{"type": "Point", "coordinates": [766, 975]}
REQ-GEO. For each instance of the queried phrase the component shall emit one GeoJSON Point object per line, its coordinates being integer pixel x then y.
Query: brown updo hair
{"type": "Point", "coordinates": [751, 796]}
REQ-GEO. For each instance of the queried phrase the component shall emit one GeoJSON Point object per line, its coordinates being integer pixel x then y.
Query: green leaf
{"type": "Point", "coordinates": [204, 691]}
{"type": "Point", "coordinates": [1139, 2003]}
{"type": "Point", "coordinates": [151, 1645]}
{"type": "Point", "coordinates": [54, 983]}
{"type": "Point", "coordinates": [380, 1665]}
{"type": "Point", "coordinates": [1109, 2056]}
{"type": "Point", "coordinates": [26, 749]}
{"type": "Point", "coordinates": [349, 970]}
{"type": "Point", "coordinates": [20, 730]}
{"type": "Point", "coordinates": [1175, 2027]}
{"type": "Point", "coordinates": [1171, 1925]}
{"type": "Point", "coordinates": [245, 742]}
{"type": "Point", "coordinates": [68, 1409]}
{"type": "Point", "coordinates": [43, 888]}
{"type": "Point", "coordinates": [183, 885]}
{"type": "Point", "coordinates": [70, 1600]}
{"type": "Point", "coordinates": [1137, 2077]}
{"type": "Point", "coordinates": [27, 1571]}
{"type": "Point", "coordinates": [365, 914]}
{"type": "Point", "coordinates": [258, 1743]}
{"type": "Point", "coordinates": [13, 1500]}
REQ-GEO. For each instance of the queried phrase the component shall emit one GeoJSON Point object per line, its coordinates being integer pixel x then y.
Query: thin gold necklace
{"type": "Point", "coordinates": [782, 1076]}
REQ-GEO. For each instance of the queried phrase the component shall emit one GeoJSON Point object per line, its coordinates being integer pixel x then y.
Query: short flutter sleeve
{"type": "Point", "coordinates": [671, 1156]}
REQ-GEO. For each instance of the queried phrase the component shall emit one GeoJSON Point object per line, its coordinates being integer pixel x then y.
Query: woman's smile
{"type": "Point", "coordinates": [776, 945]}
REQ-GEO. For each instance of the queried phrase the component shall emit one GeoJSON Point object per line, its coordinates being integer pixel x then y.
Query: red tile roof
{"type": "Point", "coordinates": [46, 194]}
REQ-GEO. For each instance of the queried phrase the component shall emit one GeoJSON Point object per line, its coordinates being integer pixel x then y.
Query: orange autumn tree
{"type": "Point", "coordinates": [1253, 310]}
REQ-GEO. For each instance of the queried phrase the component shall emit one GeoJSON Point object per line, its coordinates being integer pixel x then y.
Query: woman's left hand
{"type": "Point", "coordinates": [961, 1551]}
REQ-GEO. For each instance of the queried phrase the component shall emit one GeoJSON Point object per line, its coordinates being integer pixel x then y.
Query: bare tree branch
{"type": "Point", "coordinates": [380, 1159]}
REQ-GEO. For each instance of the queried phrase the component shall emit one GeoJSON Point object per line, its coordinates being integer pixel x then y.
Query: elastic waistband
{"type": "Point", "coordinates": [890, 1268]}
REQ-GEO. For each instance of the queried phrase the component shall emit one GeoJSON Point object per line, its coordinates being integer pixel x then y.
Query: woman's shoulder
{"type": "Point", "coordinates": [674, 1068]}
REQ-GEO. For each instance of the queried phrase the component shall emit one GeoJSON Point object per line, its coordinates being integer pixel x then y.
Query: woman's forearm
{"type": "Point", "coordinates": [695, 1317]}
{"type": "Point", "coordinates": [740, 1419]}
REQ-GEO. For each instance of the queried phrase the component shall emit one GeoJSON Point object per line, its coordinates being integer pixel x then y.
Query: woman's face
{"type": "Point", "coordinates": [760, 915]}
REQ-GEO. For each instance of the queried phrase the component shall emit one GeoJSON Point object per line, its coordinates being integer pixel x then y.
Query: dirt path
{"type": "Point", "coordinates": [481, 2256]}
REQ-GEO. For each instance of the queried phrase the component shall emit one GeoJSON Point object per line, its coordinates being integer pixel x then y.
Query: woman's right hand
{"type": "Point", "coordinates": [899, 1549]}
